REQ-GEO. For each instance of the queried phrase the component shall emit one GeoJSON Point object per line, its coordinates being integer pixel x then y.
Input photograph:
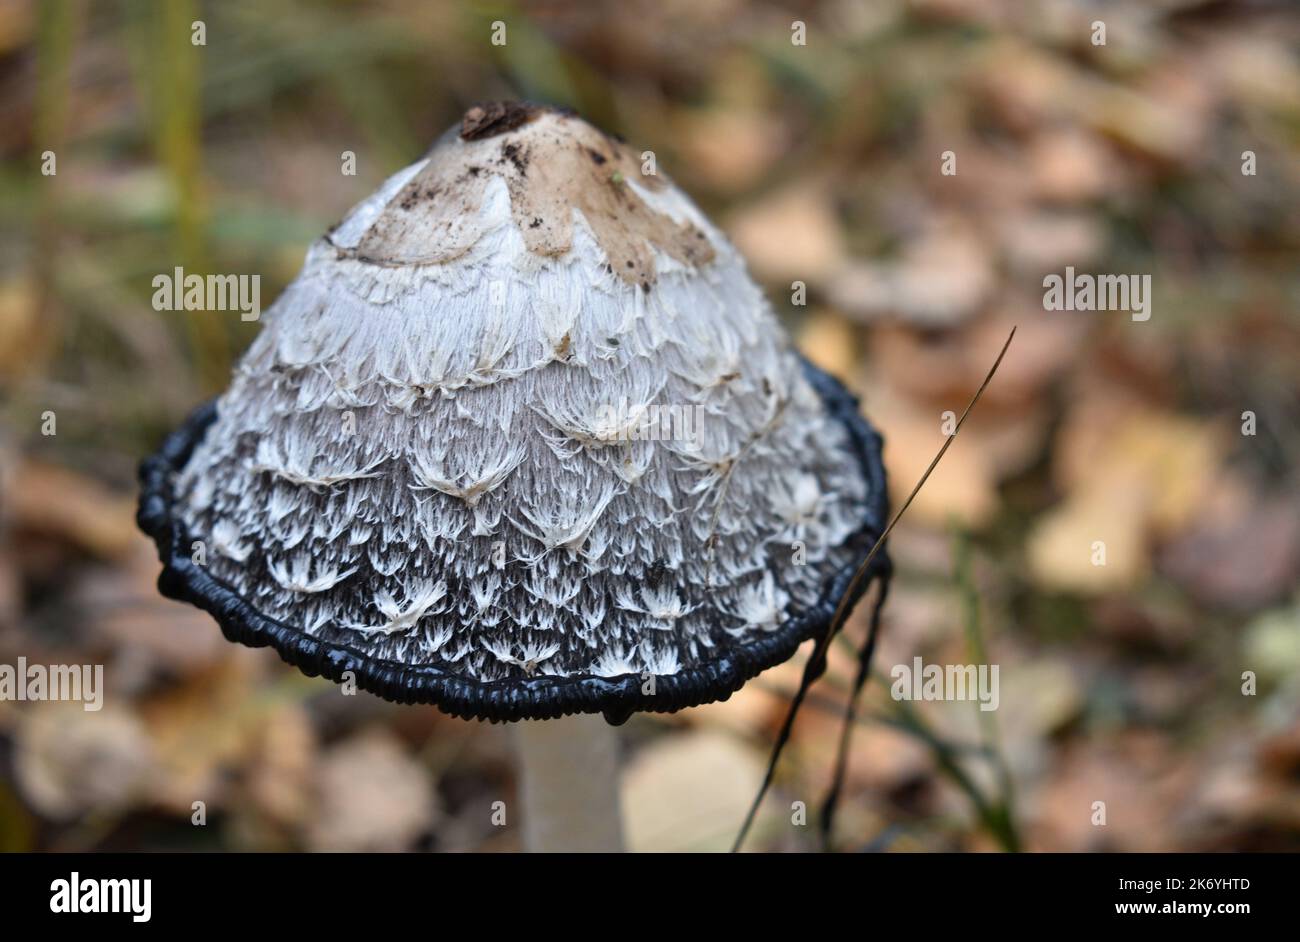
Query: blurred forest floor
{"type": "Point", "coordinates": [1121, 683]}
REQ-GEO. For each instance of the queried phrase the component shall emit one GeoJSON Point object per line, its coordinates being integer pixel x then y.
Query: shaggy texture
{"type": "Point", "coordinates": [566, 439]}
{"type": "Point", "coordinates": [536, 697]}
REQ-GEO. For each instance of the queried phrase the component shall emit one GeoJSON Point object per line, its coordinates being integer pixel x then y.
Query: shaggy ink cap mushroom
{"type": "Point", "coordinates": [523, 439]}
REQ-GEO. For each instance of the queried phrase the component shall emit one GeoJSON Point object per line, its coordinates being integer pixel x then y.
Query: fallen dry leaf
{"type": "Point", "coordinates": [1095, 541]}
{"type": "Point", "coordinates": [55, 502]}
{"type": "Point", "coordinates": [689, 792]}
{"type": "Point", "coordinates": [20, 328]}
{"type": "Point", "coordinates": [940, 280]}
{"type": "Point", "coordinates": [963, 488]}
{"type": "Point", "coordinates": [1242, 562]}
{"type": "Point", "coordinates": [792, 235]}
{"type": "Point", "coordinates": [204, 728]}
{"type": "Point", "coordinates": [729, 149]}
{"type": "Point", "coordinates": [122, 606]}
{"type": "Point", "coordinates": [282, 765]}
{"type": "Point", "coordinates": [372, 796]}
{"type": "Point", "coordinates": [1069, 165]}
{"type": "Point", "coordinates": [68, 761]}
{"type": "Point", "coordinates": [1039, 242]}
{"type": "Point", "coordinates": [1130, 475]}
{"type": "Point", "coordinates": [1142, 785]}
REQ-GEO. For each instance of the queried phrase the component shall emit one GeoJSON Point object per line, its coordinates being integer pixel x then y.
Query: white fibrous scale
{"type": "Point", "coordinates": [524, 413]}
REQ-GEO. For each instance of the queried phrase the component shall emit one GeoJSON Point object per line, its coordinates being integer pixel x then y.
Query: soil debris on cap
{"type": "Point", "coordinates": [553, 163]}
{"type": "Point", "coordinates": [495, 117]}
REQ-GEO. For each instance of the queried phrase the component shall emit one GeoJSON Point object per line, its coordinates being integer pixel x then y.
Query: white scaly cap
{"type": "Point", "coordinates": [521, 436]}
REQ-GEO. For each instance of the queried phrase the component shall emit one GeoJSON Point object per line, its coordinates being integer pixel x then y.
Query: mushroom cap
{"type": "Point", "coordinates": [522, 439]}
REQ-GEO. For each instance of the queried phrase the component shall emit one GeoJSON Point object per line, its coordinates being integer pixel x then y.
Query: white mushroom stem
{"type": "Point", "coordinates": [569, 784]}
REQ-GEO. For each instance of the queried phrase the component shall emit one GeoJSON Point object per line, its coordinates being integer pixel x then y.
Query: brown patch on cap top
{"type": "Point", "coordinates": [552, 162]}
